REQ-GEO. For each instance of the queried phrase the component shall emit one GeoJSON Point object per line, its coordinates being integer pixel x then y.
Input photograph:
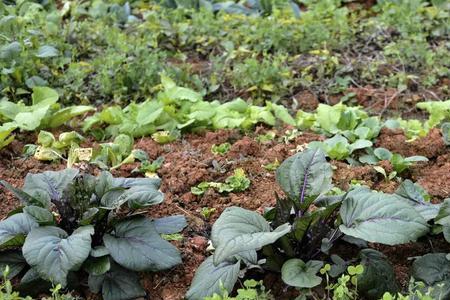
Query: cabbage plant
{"type": "Point", "coordinates": [73, 225]}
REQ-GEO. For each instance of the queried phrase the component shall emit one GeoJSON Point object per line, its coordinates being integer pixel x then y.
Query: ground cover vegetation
{"type": "Point", "coordinates": [301, 148]}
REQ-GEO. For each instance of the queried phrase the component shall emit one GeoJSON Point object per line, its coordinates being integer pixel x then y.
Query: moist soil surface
{"type": "Point", "coordinates": [189, 161]}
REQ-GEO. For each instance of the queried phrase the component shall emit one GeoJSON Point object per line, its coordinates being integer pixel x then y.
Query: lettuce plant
{"type": "Point", "coordinates": [399, 163]}
{"type": "Point", "coordinates": [177, 108]}
{"type": "Point", "coordinates": [49, 148]}
{"type": "Point", "coordinates": [302, 228]}
{"type": "Point", "coordinates": [238, 182]}
{"type": "Point", "coordinates": [73, 224]}
{"type": "Point", "coordinates": [44, 112]}
{"type": "Point", "coordinates": [338, 147]}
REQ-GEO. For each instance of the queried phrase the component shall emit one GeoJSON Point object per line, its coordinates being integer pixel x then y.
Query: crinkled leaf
{"type": "Point", "coordinates": [136, 245]}
{"type": "Point", "coordinates": [210, 278]}
{"type": "Point", "coordinates": [380, 218]}
{"type": "Point", "coordinates": [53, 253]}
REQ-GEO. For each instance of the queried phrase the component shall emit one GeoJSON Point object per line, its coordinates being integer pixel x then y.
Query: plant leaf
{"type": "Point", "coordinates": [169, 225]}
{"type": "Point", "coordinates": [49, 185]}
{"type": "Point", "coordinates": [210, 278]}
{"type": "Point", "coordinates": [41, 215]}
{"type": "Point", "coordinates": [47, 51]}
{"type": "Point", "coordinates": [14, 260]}
{"type": "Point", "coordinates": [305, 174]}
{"type": "Point", "coordinates": [378, 276]}
{"type": "Point", "coordinates": [53, 253]}
{"type": "Point", "coordinates": [14, 229]}
{"type": "Point", "coordinates": [136, 245]}
{"type": "Point", "coordinates": [117, 284]}
{"type": "Point", "coordinates": [380, 218]}
{"type": "Point", "coordinates": [238, 230]}
{"type": "Point", "coordinates": [299, 274]}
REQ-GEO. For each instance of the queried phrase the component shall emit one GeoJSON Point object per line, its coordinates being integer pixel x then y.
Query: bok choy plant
{"type": "Point", "coordinates": [73, 224]}
{"type": "Point", "coordinates": [296, 236]}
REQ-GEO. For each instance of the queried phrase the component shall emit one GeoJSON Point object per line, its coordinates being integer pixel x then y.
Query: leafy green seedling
{"type": "Point", "coordinates": [164, 137]}
{"type": "Point", "coordinates": [338, 146]}
{"type": "Point", "coordinates": [266, 138]}
{"type": "Point", "coordinates": [206, 212]}
{"type": "Point", "coordinates": [399, 163]}
{"type": "Point", "coordinates": [238, 182]}
{"type": "Point", "coordinates": [149, 168]}
{"type": "Point", "coordinates": [272, 166]}
{"type": "Point", "coordinates": [221, 149]}
{"type": "Point", "coordinates": [49, 148]}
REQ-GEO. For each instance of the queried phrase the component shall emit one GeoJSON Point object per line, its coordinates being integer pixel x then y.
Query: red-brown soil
{"type": "Point", "coordinates": [189, 161]}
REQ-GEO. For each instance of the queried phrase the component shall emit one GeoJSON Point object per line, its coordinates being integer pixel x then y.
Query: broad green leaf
{"type": "Point", "coordinates": [210, 278]}
{"type": "Point", "coordinates": [49, 185]}
{"type": "Point", "coordinates": [66, 114]}
{"type": "Point", "coordinates": [117, 284]}
{"type": "Point", "coordinates": [434, 270]}
{"type": "Point", "coordinates": [45, 138]}
{"type": "Point", "coordinates": [282, 113]}
{"type": "Point", "coordinates": [443, 218]}
{"type": "Point", "coordinates": [305, 174]}
{"type": "Point", "coordinates": [14, 229]}
{"type": "Point", "coordinates": [445, 128]}
{"type": "Point", "coordinates": [238, 230]}
{"type": "Point", "coordinates": [44, 96]}
{"type": "Point", "coordinates": [149, 112]}
{"type": "Point", "coordinates": [412, 194]}
{"type": "Point", "coordinates": [14, 260]}
{"type": "Point", "coordinates": [5, 131]}
{"type": "Point", "coordinates": [31, 120]}
{"type": "Point", "coordinates": [360, 144]}
{"type": "Point", "coordinates": [382, 153]}
{"type": "Point", "coordinates": [378, 276]}
{"type": "Point", "coordinates": [41, 215]}
{"type": "Point", "coordinates": [53, 253]}
{"type": "Point", "coordinates": [24, 197]}
{"type": "Point", "coordinates": [142, 196]}
{"type": "Point", "coordinates": [97, 265]}
{"type": "Point", "coordinates": [104, 183]}
{"type": "Point", "coordinates": [431, 268]}
{"type": "Point", "coordinates": [99, 251]}
{"type": "Point", "coordinates": [302, 275]}
{"type": "Point", "coordinates": [328, 117]}
{"type": "Point", "coordinates": [380, 218]}
{"type": "Point", "coordinates": [136, 245]}
{"type": "Point", "coordinates": [10, 51]}
{"type": "Point", "coordinates": [169, 225]}
{"type": "Point", "coordinates": [47, 51]}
